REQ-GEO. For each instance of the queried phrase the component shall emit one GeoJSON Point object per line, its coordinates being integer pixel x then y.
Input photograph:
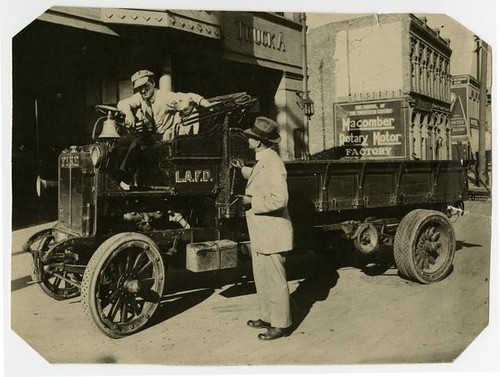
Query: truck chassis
{"type": "Point", "coordinates": [113, 247]}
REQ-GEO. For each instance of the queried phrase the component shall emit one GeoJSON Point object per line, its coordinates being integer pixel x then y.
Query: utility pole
{"type": "Point", "coordinates": [482, 167]}
{"type": "Point", "coordinates": [305, 89]}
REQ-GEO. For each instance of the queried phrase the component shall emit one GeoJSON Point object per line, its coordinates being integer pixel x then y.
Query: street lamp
{"type": "Point", "coordinates": [305, 103]}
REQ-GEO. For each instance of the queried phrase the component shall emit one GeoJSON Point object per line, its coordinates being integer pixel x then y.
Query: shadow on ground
{"type": "Point", "coordinates": [175, 304]}
{"type": "Point", "coordinates": [317, 275]}
{"type": "Point", "coordinates": [321, 276]}
{"type": "Point", "coordinates": [464, 245]}
{"type": "Point", "coordinates": [20, 283]}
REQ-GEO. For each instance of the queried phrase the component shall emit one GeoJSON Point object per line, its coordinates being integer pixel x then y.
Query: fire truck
{"type": "Point", "coordinates": [113, 246]}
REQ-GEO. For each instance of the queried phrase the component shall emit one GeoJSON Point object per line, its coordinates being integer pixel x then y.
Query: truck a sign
{"type": "Point", "coordinates": [369, 130]}
{"type": "Point", "coordinates": [458, 116]}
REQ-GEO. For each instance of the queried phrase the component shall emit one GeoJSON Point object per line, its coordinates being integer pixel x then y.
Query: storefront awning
{"type": "Point", "coordinates": [197, 22]}
{"type": "Point", "coordinates": [80, 18]}
{"type": "Point", "coordinates": [101, 20]}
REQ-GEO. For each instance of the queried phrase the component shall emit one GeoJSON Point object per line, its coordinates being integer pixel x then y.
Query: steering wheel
{"type": "Point", "coordinates": [105, 109]}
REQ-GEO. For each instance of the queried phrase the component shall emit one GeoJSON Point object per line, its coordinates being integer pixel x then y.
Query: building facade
{"type": "Point", "coordinates": [465, 109]}
{"type": "Point", "coordinates": [381, 86]}
{"type": "Point", "coordinates": [71, 59]}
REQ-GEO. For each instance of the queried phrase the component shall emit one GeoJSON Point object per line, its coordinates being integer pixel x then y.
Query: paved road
{"type": "Point", "coordinates": [344, 313]}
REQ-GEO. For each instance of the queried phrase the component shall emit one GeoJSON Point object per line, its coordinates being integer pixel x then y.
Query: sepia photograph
{"type": "Point", "coordinates": [248, 188]}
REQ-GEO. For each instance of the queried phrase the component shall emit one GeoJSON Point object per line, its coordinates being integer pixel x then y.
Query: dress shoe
{"type": "Point", "coordinates": [258, 324]}
{"type": "Point", "coordinates": [274, 333]}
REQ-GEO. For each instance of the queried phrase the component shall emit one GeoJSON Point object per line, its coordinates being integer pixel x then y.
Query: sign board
{"type": "Point", "coordinates": [255, 37]}
{"type": "Point", "coordinates": [459, 80]}
{"type": "Point", "coordinates": [370, 130]}
{"type": "Point", "coordinates": [458, 116]}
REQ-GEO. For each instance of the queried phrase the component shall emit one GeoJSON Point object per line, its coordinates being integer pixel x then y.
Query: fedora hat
{"type": "Point", "coordinates": [140, 78]}
{"type": "Point", "coordinates": [264, 129]}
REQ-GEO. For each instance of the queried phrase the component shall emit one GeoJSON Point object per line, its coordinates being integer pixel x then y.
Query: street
{"type": "Point", "coordinates": [344, 312]}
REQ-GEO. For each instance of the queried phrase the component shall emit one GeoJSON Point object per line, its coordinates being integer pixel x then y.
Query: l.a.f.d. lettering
{"type": "Point", "coordinates": [193, 176]}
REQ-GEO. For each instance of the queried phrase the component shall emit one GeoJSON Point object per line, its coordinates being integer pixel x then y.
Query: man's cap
{"type": "Point", "coordinates": [264, 129]}
{"type": "Point", "coordinates": [141, 77]}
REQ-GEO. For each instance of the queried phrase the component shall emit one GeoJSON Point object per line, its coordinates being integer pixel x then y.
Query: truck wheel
{"type": "Point", "coordinates": [44, 233]}
{"type": "Point", "coordinates": [47, 267]}
{"type": "Point", "coordinates": [424, 246]}
{"type": "Point", "coordinates": [122, 284]}
{"type": "Point", "coordinates": [367, 239]}
{"type": "Point", "coordinates": [401, 234]}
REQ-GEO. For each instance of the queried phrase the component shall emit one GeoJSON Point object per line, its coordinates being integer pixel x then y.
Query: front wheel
{"type": "Point", "coordinates": [123, 284]}
{"type": "Point", "coordinates": [424, 246]}
{"type": "Point", "coordinates": [48, 265]}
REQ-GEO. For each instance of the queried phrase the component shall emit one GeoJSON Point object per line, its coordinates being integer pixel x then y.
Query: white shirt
{"type": "Point", "coordinates": [165, 106]}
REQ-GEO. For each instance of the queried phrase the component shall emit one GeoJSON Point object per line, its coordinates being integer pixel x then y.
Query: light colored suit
{"type": "Point", "coordinates": [268, 219]}
{"type": "Point", "coordinates": [271, 235]}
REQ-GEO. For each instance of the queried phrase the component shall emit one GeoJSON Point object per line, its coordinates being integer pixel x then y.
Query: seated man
{"type": "Point", "coordinates": [158, 112]}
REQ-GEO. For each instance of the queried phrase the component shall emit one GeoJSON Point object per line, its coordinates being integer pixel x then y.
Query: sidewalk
{"type": "Point", "coordinates": [483, 190]}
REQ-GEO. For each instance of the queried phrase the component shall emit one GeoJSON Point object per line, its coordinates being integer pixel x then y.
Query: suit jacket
{"type": "Point", "coordinates": [268, 219]}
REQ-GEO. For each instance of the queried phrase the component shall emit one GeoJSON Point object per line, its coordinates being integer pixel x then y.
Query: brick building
{"type": "Point", "coordinates": [381, 87]}
{"type": "Point", "coordinates": [465, 110]}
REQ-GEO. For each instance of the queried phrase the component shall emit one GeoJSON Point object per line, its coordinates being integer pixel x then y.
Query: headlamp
{"type": "Point", "coordinates": [96, 156]}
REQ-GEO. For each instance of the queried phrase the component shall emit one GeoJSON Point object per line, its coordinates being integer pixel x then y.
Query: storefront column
{"type": "Point", "coordinates": [165, 82]}
{"type": "Point", "coordinates": [448, 137]}
{"type": "Point", "coordinates": [288, 114]}
{"type": "Point", "coordinates": [412, 117]}
{"type": "Point", "coordinates": [432, 130]}
{"type": "Point", "coordinates": [424, 133]}
{"type": "Point", "coordinates": [440, 138]}
{"type": "Point", "coordinates": [416, 136]}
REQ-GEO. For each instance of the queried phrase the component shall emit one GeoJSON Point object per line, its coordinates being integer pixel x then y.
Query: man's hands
{"type": "Point", "coordinates": [129, 119]}
{"type": "Point", "coordinates": [246, 200]}
{"type": "Point", "coordinates": [237, 163]}
{"type": "Point", "coordinates": [205, 103]}
{"type": "Point", "coordinates": [135, 126]}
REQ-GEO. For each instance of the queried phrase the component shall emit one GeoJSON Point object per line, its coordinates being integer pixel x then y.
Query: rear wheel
{"type": "Point", "coordinates": [424, 246]}
{"type": "Point", "coordinates": [401, 234]}
{"type": "Point", "coordinates": [123, 284]}
{"type": "Point", "coordinates": [367, 239]}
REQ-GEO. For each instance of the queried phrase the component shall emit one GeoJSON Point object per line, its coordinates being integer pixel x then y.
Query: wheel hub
{"type": "Point", "coordinates": [366, 239]}
{"type": "Point", "coordinates": [132, 285]}
{"type": "Point", "coordinates": [428, 249]}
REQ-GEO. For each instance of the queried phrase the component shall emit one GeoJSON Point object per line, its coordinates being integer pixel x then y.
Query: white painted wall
{"type": "Point", "coordinates": [368, 60]}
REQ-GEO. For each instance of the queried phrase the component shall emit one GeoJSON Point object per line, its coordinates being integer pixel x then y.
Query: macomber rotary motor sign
{"type": "Point", "coordinates": [369, 130]}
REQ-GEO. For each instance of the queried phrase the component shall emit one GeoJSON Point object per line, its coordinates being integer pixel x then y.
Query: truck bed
{"type": "Point", "coordinates": [345, 185]}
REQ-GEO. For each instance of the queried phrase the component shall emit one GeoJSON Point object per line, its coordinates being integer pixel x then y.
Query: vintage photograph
{"type": "Point", "coordinates": [250, 188]}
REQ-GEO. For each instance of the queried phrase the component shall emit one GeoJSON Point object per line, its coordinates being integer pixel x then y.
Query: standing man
{"type": "Point", "coordinates": [269, 227]}
{"type": "Point", "coordinates": [158, 111]}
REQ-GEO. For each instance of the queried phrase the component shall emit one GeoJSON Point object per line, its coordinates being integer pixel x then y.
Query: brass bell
{"type": "Point", "coordinates": [109, 129]}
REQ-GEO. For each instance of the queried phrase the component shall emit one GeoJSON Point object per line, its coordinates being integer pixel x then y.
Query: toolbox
{"type": "Point", "coordinates": [211, 255]}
